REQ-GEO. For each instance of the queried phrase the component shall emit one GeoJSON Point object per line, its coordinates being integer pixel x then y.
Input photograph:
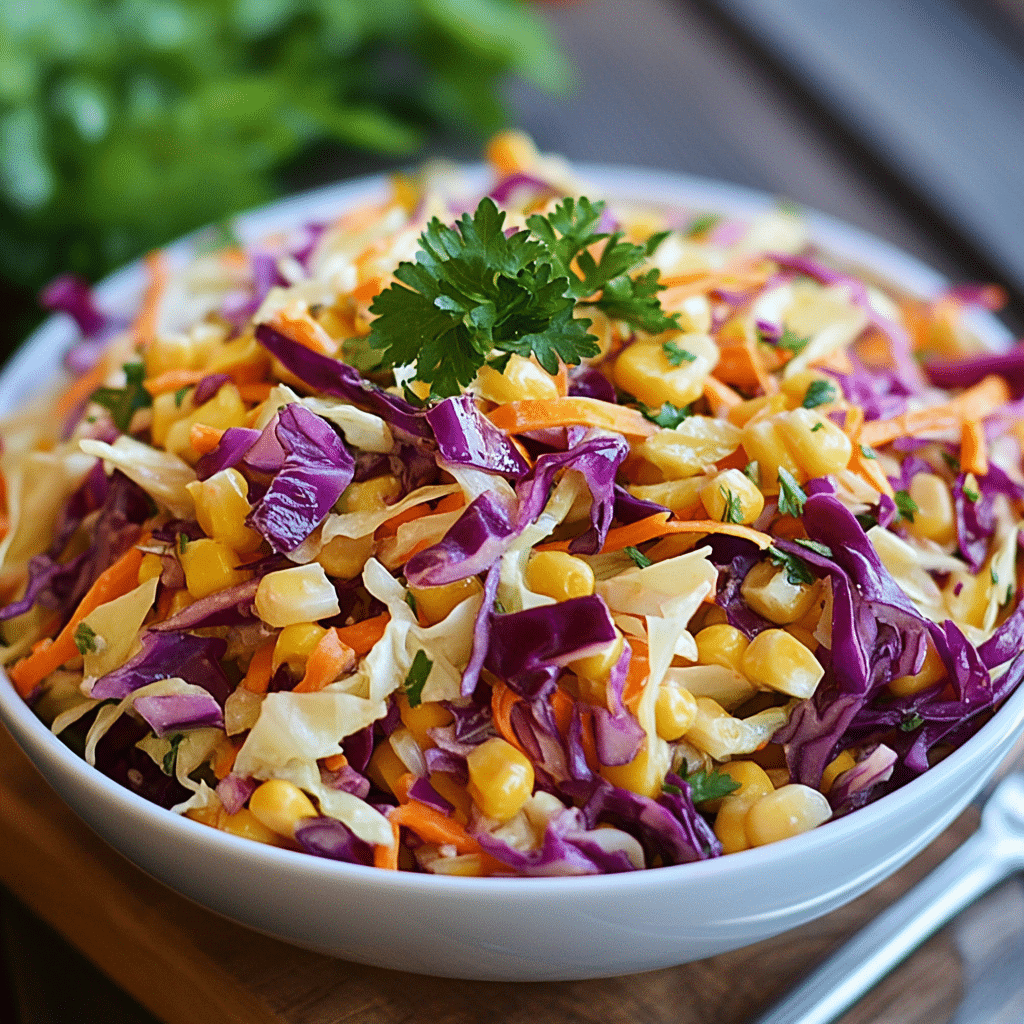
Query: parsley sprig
{"type": "Point", "coordinates": [123, 403]}
{"type": "Point", "coordinates": [474, 290]}
{"type": "Point", "coordinates": [419, 672]}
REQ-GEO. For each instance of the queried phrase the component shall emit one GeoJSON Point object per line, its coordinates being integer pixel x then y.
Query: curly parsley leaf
{"type": "Point", "coordinates": [86, 639]}
{"type": "Point", "coordinates": [668, 416]}
{"type": "Point", "coordinates": [733, 510]}
{"type": "Point", "coordinates": [123, 403]}
{"type": "Point", "coordinates": [474, 290]}
{"type": "Point", "coordinates": [419, 671]}
{"type": "Point", "coordinates": [911, 722]}
{"type": "Point", "coordinates": [752, 471]}
{"type": "Point", "coordinates": [906, 506]}
{"type": "Point", "coordinates": [820, 392]}
{"type": "Point", "coordinates": [791, 494]}
{"type": "Point", "coordinates": [812, 545]}
{"type": "Point", "coordinates": [797, 570]}
{"type": "Point", "coordinates": [640, 560]}
{"type": "Point", "coordinates": [171, 757]}
{"type": "Point", "coordinates": [792, 342]}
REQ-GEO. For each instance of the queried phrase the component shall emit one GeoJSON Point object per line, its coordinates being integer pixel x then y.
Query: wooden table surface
{"type": "Point", "coordinates": [662, 83]}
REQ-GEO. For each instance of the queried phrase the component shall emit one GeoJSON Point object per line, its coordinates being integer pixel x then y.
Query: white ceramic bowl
{"type": "Point", "coordinates": [517, 929]}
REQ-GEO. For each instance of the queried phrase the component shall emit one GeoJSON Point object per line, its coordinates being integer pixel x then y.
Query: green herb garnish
{"type": "Point", "coordinates": [820, 392]}
{"type": "Point", "coordinates": [906, 506]}
{"type": "Point", "coordinates": [640, 560]}
{"type": "Point", "coordinates": [817, 426]}
{"type": "Point", "coordinates": [85, 639]}
{"type": "Point", "coordinates": [911, 722]}
{"type": "Point", "coordinates": [791, 494]}
{"type": "Point", "coordinates": [701, 224]}
{"type": "Point", "coordinates": [123, 403]}
{"type": "Point", "coordinates": [752, 471]}
{"type": "Point", "coordinates": [867, 452]}
{"type": "Point", "coordinates": [417, 677]}
{"type": "Point", "coordinates": [676, 355]}
{"type": "Point", "coordinates": [179, 396]}
{"type": "Point", "coordinates": [733, 511]}
{"type": "Point", "coordinates": [170, 762]}
{"type": "Point", "coordinates": [472, 290]}
{"type": "Point", "coordinates": [668, 416]}
{"type": "Point", "coordinates": [812, 545]}
{"type": "Point", "coordinates": [797, 570]}
{"type": "Point", "coordinates": [182, 543]}
{"type": "Point", "coordinates": [792, 342]}
{"type": "Point", "coordinates": [411, 602]}
{"type": "Point", "coordinates": [710, 786]}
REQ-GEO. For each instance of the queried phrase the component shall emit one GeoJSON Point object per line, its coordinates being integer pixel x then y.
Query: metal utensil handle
{"type": "Point", "coordinates": [847, 975]}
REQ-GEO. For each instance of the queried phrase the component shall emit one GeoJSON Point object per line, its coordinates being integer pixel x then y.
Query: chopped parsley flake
{"type": "Point", "coordinates": [676, 355]}
{"type": "Point", "coordinates": [820, 392]}
{"type": "Point", "coordinates": [701, 224]}
{"type": "Point", "coordinates": [792, 342]}
{"type": "Point", "coordinates": [85, 639]}
{"type": "Point", "coordinates": [170, 762]}
{"type": "Point", "coordinates": [797, 570]}
{"type": "Point", "coordinates": [817, 426]}
{"type": "Point", "coordinates": [179, 396]}
{"type": "Point", "coordinates": [123, 403]}
{"type": "Point", "coordinates": [710, 786]}
{"type": "Point", "coordinates": [640, 560]}
{"type": "Point", "coordinates": [668, 416]}
{"type": "Point", "coordinates": [419, 671]}
{"type": "Point", "coordinates": [867, 452]}
{"type": "Point", "coordinates": [911, 722]}
{"type": "Point", "coordinates": [906, 506]}
{"type": "Point", "coordinates": [733, 511]}
{"type": "Point", "coordinates": [752, 471]}
{"type": "Point", "coordinates": [791, 494]}
{"type": "Point", "coordinates": [182, 543]}
{"type": "Point", "coordinates": [812, 545]}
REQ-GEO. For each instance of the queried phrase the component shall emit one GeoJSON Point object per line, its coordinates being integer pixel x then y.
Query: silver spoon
{"type": "Point", "coordinates": [992, 854]}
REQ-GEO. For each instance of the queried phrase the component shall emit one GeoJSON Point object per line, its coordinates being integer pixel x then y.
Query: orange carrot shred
{"type": "Point", "coordinates": [659, 525]}
{"type": "Point", "coordinates": [636, 675]}
{"type": "Point", "coordinates": [257, 678]}
{"type": "Point", "coordinates": [974, 448]}
{"type": "Point", "coordinates": [144, 327]}
{"type": "Point", "coordinates": [361, 636]}
{"type": "Point", "coordinates": [256, 391]}
{"type": "Point", "coordinates": [386, 857]}
{"type": "Point", "coordinates": [119, 579]}
{"type": "Point", "coordinates": [538, 414]}
{"type": "Point", "coordinates": [172, 380]}
{"type": "Point", "coordinates": [301, 328]}
{"type": "Point", "coordinates": [503, 699]}
{"type": "Point", "coordinates": [335, 762]}
{"type": "Point", "coordinates": [331, 658]}
{"type": "Point", "coordinates": [433, 827]}
{"type": "Point", "coordinates": [203, 438]}
{"type": "Point", "coordinates": [79, 390]}
{"type": "Point", "coordinates": [225, 760]}
{"type": "Point", "coordinates": [720, 396]}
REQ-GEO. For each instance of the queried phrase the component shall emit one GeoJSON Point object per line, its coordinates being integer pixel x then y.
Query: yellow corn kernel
{"type": "Point", "coordinates": [500, 778]}
{"type": "Point", "coordinates": [764, 444]}
{"type": "Point", "coordinates": [301, 594]}
{"type": "Point", "coordinates": [780, 662]}
{"type": "Point", "coordinates": [181, 600]}
{"type": "Point", "coordinates": [767, 591]}
{"type": "Point", "coordinates": [435, 604]}
{"type": "Point", "coordinates": [455, 793]}
{"type": "Point", "coordinates": [842, 762]}
{"type": "Point", "coordinates": [243, 358]}
{"type": "Point", "coordinates": [721, 644]}
{"type": "Point", "coordinates": [819, 445]}
{"type": "Point", "coordinates": [345, 557]}
{"type": "Point", "coordinates": [224, 410]}
{"type": "Point", "coordinates": [932, 671]}
{"type": "Point", "coordinates": [787, 812]}
{"type": "Point", "coordinates": [675, 711]}
{"type": "Point", "coordinates": [222, 504]}
{"type": "Point", "coordinates": [150, 568]}
{"type": "Point", "coordinates": [510, 151]}
{"type": "Point", "coordinates": [521, 380]}
{"type": "Point", "coordinates": [730, 824]}
{"type": "Point", "coordinates": [934, 518]}
{"type": "Point", "coordinates": [372, 495]}
{"type": "Point", "coordinates": [643, 775]}
{"type": "Point", "coordinates": [715, 616]}
{"type": "Point", "coordinates": [295, 644]}
{"type": "Point", "coordinates": [559, 575]}
{"type": "Point", "coordinates": [804, 635]}
{"type": "Point", "coordinates": [697, 442]}
{"type": "Point", "coordinates": [681, 496]}
{"type": "Point", "coordinates": [245, 824]}
{"type": "Point", "coordinates": [594, 670]}
{"type": "Point", "coordinates": [168, 408]}
{"type": "Point", "coordinates": [732, 497]}
{"type": "Point", "coordinates": [418, 720]}
{"type": "Point", "coordinates": [385, 767]}
{"type": "Point", "coordinates": [646, 370]}
{"type": "Point", "coordinates": [281, 806]}
{"type": "Point", "coordinates": [210, 566]}
{"type": "Point", "coordinates": [795, 387]}
{"type": "Point", "coordinates": [743, 412]}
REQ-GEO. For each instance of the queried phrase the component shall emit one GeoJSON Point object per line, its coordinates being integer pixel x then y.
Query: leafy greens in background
{"type": "Point", "coordinates": [124, 123]}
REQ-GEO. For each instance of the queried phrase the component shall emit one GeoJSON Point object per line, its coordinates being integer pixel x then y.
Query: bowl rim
{"type": "Point", "coordinates": [20, 380]}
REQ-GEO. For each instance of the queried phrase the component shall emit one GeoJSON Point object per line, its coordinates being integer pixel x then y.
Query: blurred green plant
{"type": "Point", "coordinates": [124, 123]}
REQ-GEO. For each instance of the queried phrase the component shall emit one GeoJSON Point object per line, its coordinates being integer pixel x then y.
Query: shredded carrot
{"type": "Point", "coordinates": [503, 699]}
{"type": "Point", "coordinates": [720, 396]}
{"type": "Point", "coordinates": [451, 502]}
{"type": "Point", "coordinates": [660, 525]}
{"type": "Point", "coordinates": [973, 405]}
{"type": "Point", "coordinates": [562, 380]}
{"type": "Point", "coordinates": [538, 414]}
{"type": "Point", "coordinates": [386, 857]}
{"type": "Point", "coordinates": [869, 469]}
{"type": "Point", "coordinates": [257, 391]}
{"type": "Point", "coordinates": [738, 277]}
{"type": "Point", "coordinates": [367, 290]}
{"type": "Point", "coordinates": [119, 579]}
{"type": "Point", "coordinates": [330, 659]}
{"type": "Point", "coordinates": [433, 826]}
{"type": "Point", "coordinates": [203, 438]}
{"type": "Point", "coordinates": [361, 636]}
{"type": "Point", "coordinates": [78, 391]}
{"type": "Point", "coordinates": [335, 762]}
{"type": "Point", "coordinates": [172, 380]}
{"type": "Point", "coordinates": [636, 675]}
{"type": "Point", "coordinates": [301, 328]}
{"type": "Point", "coordinates": [402, 785]}
{"type": "Point", "coordinates": [261, 667]}
{"type": "Point", "coordinates": [974, 448]}
{"type": "Point", "coordinates": [390, 526]}
{"type": "Point", "coordinates": [144, 327]}
{"type": "Point", "coordinates": [225, 760]}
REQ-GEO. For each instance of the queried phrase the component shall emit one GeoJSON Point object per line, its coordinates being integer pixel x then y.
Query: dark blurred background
{"type": "Point", "coordinates": [126, 122]}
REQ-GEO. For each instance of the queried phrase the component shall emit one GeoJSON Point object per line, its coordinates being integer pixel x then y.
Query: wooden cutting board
{"type": "Point", "coordinates": [188, 966]}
